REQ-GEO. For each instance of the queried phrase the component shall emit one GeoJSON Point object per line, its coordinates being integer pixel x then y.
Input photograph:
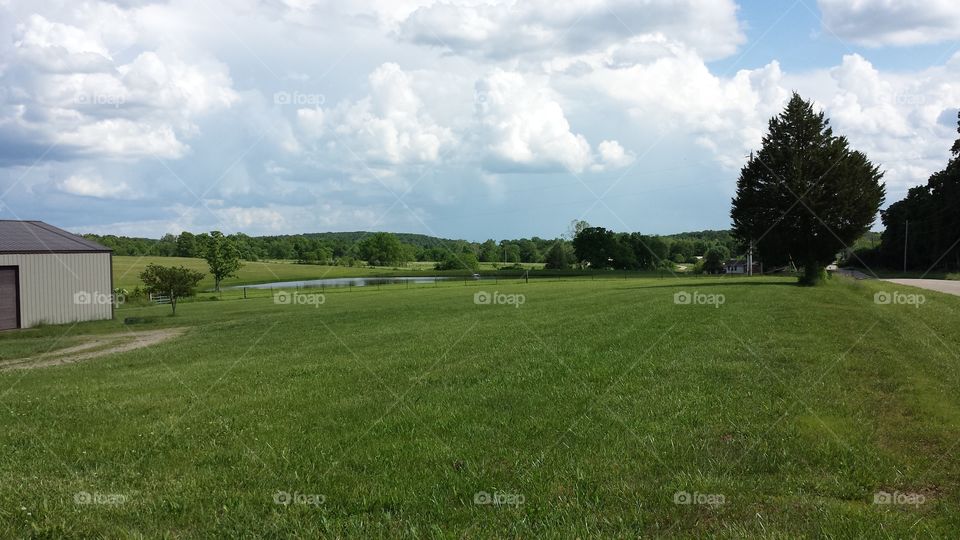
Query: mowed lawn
{"type": "Point", "coordinates": [591, 409]}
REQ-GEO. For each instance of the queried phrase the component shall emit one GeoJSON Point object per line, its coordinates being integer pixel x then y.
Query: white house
{"type": "Point", "coordinates": [734, 266]}
{"type": "Point", "coordinates": [50, 276]}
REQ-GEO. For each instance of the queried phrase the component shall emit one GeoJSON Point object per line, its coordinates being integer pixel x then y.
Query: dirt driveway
{"type": "Point", "coordinates": [95, 347]}
{"type": "Point", "coordinates": [941, 285]}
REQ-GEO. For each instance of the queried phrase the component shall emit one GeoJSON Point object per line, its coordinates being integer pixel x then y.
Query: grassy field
{"type": "Point", "coordinates": [592, 408]}
{"type": "Point", "coordinates": [126, 271]}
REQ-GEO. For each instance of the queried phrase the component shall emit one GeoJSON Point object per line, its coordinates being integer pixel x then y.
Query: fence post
{"type": "Point", "coordinates": [244, 293]}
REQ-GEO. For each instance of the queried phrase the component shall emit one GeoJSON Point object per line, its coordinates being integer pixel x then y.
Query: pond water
{"type": "Point", "coordinates": [348, 282]}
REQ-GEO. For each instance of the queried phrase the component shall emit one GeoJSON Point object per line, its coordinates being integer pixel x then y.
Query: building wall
{"type": "Point", "coordinates": [59, 288]}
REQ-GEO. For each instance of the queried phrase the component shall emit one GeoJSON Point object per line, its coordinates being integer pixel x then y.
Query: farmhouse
{"type": "Point", "coordinates": [733, 266]}
{"type": "Point", "coordinates": [48, 275]}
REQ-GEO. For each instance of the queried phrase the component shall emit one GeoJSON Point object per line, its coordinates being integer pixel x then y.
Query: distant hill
{"type": "Point", "coordinates": [710, 236]}
{"type": "Point", "coordinates": [419, 240]}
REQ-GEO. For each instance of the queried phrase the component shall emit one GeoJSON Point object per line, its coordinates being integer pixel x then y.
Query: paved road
{"type": "Point", "coordinates": [942, 285]}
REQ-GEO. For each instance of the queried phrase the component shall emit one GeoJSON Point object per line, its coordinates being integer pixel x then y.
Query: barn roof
{"type": "Point", "coordinates": [39, 237]}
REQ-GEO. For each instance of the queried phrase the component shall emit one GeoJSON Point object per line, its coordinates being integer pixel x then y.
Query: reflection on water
{"type": "Point", "coordinates": [346, 282]}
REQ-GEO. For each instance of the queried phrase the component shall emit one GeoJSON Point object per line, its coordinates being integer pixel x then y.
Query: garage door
{"type": "Point", "coordinates": [8, 298]}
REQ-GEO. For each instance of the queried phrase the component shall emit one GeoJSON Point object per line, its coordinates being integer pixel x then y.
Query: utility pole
{"type": "Point", "coordinates": [750, 259]}
{"type": "Point", "coordinates": [906, 237]}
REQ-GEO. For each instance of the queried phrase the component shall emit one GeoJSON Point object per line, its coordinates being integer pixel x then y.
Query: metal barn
{"type": "Point", "coordinates": [50, 276]}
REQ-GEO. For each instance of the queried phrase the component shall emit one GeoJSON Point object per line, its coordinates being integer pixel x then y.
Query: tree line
{"type": "Point", "coordinates": [397, 249]}
{"type": "Point", "coordinates": [923, 229]}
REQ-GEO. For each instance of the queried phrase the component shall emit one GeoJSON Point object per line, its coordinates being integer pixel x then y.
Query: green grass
{"type": "Point", "coordinates": [126, 271]}
{"type": "Point", "coordinates": [596, 401]}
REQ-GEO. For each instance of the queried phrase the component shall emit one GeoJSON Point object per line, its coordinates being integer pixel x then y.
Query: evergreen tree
{"type": "Point", "coordinates": [805, 195]}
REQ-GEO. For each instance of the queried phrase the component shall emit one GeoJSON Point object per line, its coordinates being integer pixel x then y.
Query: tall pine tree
{"type": "Point", "coordinates": [805, 195]}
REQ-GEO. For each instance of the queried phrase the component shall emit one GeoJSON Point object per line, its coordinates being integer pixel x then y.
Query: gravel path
{"type": "Point", "coordinates": [100, 345]}
{"type": "Point", "coordinates": [941, 285]}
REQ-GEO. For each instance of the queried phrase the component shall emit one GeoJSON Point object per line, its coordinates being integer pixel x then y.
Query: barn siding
{"type": "Point", "coordinates": [49, 281]}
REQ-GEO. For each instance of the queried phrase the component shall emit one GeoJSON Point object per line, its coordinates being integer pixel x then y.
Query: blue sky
{"type": "Point", "coordinates": [468, 119]}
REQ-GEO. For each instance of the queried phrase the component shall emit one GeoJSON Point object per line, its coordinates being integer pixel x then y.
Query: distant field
{"type": "Point", "coordinates": [126, 271]}
{"type": "Point", "coordinates": [484, 266]}
{"type": "Point", "coordinates": [597, 408]}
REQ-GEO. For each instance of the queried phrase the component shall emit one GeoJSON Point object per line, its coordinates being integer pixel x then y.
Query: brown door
{"type": "Point", "coordinates": [9, 299]}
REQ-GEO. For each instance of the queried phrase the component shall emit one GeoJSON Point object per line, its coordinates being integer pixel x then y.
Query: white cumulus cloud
{"type": "Point", "coordinates": [391, 125]}
{"type": "Point", "coordinates": [521, 126]}
{"type": "Point", "coordinates": [71, 91]}
{"type": "Point", "coordinates": [892, 22]}
{"type": "Point", "coordinates": [93, 185]}
{"type": "Point", "coordinates": [545, 28]}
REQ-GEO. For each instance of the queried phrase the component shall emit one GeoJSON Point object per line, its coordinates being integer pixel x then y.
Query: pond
{"type": "Point", "coordinates": [349, 282]}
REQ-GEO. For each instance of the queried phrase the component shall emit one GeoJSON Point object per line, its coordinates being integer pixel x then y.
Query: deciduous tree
{"type": "Point", "coordinates": [175, 281]}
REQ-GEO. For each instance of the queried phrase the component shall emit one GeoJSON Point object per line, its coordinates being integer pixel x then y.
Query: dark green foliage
{"type": "Point", "coordinates": [509, 252]}
{"type": "Point", "coordinates": [805, 196]}
{"type": "Point", "coordinates": [560, 256]}
{"type": "Point", "coordinates": [600, 248]}
{"type": "Point", "coordinates": [933, 211]}
{"type": "Point", "coordinates": [382, 249]}
{"type": "Point", "coordinates": [595, 246]}
{"type": "Point", "coordinates": [187, 245]}
{"type": "Point", "coordinates": [698, 242]}
{"type": "Point", "coordinates": [458, 261]}
{"type": "Point", "coordinates": [529, 252]}
{"type": "Point", "coordinates": [714, 258]}
{"type": "Point", "coordinates": [489, 251]}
